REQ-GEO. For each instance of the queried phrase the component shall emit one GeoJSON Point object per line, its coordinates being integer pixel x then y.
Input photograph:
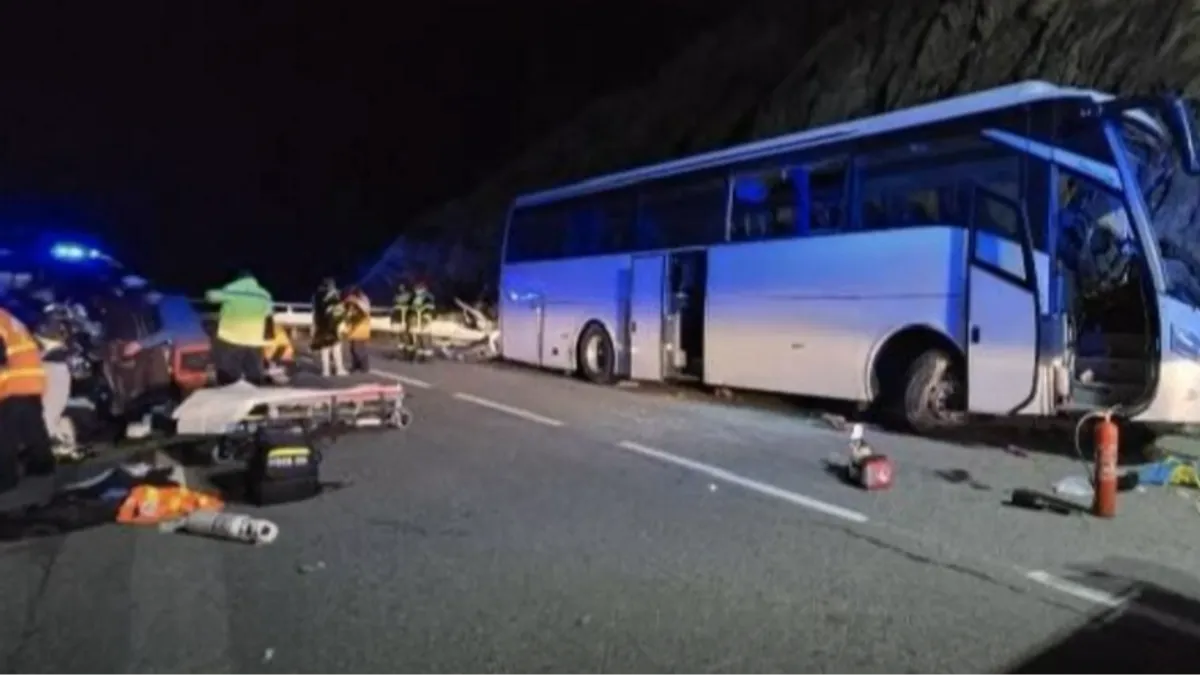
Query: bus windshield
{"type": "Point", "coordinates": [1172, 198]}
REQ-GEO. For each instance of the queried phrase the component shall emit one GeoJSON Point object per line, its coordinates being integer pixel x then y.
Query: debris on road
{"type": "Point", "coordinates": [1075, 487]}
{"type": "Point", "coordinates": [1017, 451]}
{"type": "Point", "coordinates": [864, 467]}
{"type": "Point", "coordinates": [834, 421]}
{"type": "Point", "coordinates": [306, 568]}
{"type": "Point", "coordinates": [1170, 471]}
{"type": "Point", "coordinates": [133, 494]}
{"type": "Point", "coordinates": [1033, 500]}
{"type": "Point", "coordinates": [230, 526]}
{"type": "Point", "coordinates": [961, 476]}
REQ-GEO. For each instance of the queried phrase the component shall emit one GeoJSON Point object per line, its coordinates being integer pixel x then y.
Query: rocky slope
{"type": "Point", "coordinates": [785, 65]}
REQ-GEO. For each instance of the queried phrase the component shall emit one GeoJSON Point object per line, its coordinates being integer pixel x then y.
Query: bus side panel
{"type": "Point", "coordinates": [568, 293]}
{"type": "Point", "coordinates": [578, 291]}
{"type": "Point", "coordinates": [805, 316]}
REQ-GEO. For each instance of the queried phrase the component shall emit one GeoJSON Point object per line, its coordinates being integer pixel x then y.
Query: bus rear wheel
{"type": "Point", "coordinates": [596, 358]}
{"type": "Point", "coordinates": [930, 396]}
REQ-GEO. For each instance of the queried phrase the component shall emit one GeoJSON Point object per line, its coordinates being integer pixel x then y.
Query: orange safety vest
{"type": "Point", "coordinates": [279, 346]}
{"type": "Point", "coordinates": [360, 329]}
{"type": "Point", "coordinates": [23, 375]}
{"type": "Point", "coordinates": [147, 505]}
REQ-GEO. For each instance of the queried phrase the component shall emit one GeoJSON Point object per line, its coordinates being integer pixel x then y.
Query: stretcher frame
{"type": "Point", "coordinates": [318, 414]}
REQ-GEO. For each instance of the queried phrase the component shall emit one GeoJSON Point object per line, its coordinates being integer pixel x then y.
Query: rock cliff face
{"type": "Point", "coordinates": [780, 66]}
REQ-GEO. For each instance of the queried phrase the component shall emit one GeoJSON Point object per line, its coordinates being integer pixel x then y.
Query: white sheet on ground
{"type": "Point", "coordinates": [218, 410]}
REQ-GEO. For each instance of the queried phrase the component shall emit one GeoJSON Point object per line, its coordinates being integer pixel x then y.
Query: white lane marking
{"type": "Point", "coordinates": [747, 483]}
{"type": "Point", "coordinates": [407, 380]}
{"type": "Point", "coordinates": [1077, 590]}
{"type": "Point", "coordinates": [1128, 604]}
{"type": "Point", "coordinates": [511, 410]}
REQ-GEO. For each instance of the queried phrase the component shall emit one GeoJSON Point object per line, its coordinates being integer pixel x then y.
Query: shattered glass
{"type": "Point", "coordinates": [1172, 200]}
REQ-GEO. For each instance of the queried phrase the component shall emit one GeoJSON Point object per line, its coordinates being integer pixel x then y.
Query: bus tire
{"type": "Point", "coordinates": [926, 399]}
{"type": "Point", "coordinates": [596, 357]}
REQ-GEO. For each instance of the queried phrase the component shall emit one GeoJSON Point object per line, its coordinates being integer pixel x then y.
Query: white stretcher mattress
{"type": "Point", "coordinates": [218, 410]}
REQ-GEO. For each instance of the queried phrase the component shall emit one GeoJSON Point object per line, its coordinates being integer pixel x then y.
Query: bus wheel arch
{"type": "Point", "coordinates": [595, 354]}
{"type": "Point", "coordinates": [917, 380]}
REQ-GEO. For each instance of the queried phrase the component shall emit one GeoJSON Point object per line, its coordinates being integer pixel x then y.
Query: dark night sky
{"type": "Point", "coordinates": [200, 137]}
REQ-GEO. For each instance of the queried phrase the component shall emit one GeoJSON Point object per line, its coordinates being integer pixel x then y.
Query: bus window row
{"type": "Point", "coordinates": [909, 185]}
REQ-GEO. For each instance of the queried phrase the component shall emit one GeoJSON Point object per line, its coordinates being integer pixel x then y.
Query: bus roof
{"type": "Point", "coordinates": [984, 101]}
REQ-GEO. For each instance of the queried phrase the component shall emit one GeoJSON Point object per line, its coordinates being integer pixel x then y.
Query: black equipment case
{"type": "Point", "coordinates": [283, 467]}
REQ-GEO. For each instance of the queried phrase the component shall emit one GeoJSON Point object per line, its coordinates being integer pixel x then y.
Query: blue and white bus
{"type": "Point", "coordinates": [902, 260]}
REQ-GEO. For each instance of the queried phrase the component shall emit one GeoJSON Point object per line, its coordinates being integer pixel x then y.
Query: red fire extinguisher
{"type": "Point", "coordinates": [1104, 494]}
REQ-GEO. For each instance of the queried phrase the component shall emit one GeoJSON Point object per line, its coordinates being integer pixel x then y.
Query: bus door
{"type": "Point", "coordinates": [684, 328]}
{"type": "Point", "coordinates": [647, 290]}
{"type": "Point", "coordinates": [1001, 311]}
{"type": "Point", "coordinates": [521, 328]}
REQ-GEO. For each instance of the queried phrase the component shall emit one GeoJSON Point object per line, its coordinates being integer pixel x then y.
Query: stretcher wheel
{"type": "Point", "coordinates": [400, 418]}
{"type": "Point", "coordinates": [222, 452]}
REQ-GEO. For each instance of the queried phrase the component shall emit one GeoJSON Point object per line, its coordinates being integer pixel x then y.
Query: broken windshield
{"type": "Point", "coordinates": [1172, 200]}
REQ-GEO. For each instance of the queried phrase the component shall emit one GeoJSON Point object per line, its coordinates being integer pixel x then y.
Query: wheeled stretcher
{"type": "Point", "coordinates": [226, 420]}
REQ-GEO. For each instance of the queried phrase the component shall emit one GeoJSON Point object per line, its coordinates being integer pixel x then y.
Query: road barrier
{"type": "Point", "coordinates": [298, 317]}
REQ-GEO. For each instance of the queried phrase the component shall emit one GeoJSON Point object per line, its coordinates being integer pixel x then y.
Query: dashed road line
{"type": "Point", "coordinates": [747, 483]}
{"type": "Point", "coordinates": [511, 410]}
{"type": "Point", "coordinates": [407, 380]}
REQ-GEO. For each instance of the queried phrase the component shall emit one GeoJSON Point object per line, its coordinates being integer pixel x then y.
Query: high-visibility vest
{"type": "Point", "coordinates": [360, 325]}
{"type": "Point", "coordinates": [147, 505]}
{"type": "Point", "coordinates": [279, 346]}
{"type": "Point", "coordinates": [23, 375]}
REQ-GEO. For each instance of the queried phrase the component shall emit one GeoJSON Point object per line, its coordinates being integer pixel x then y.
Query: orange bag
{"type": "Point", "coordinates": [148, 505]}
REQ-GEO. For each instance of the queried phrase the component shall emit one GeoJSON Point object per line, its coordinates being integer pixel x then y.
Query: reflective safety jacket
{"type": "Point", "coordinates": [21, 372]}
{"type": "Point", "coordinates": [422, 303]}
{"type": "Point", "coordinates": [245, 306]}
{"type": "Point", "coordinates": [148, 505]}
{"type": "Point", "coordinates": [402, 303]}
{"type": "Point", "coordinates": [358, 316]}
{"type": "Point", "coordinates": [279, 348]}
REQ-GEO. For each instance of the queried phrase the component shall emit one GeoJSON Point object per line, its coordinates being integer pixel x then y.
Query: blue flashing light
{"type": "Point", "coordinates": [66, 251]}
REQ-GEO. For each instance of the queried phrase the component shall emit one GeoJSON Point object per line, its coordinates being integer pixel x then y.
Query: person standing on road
{"type": "Point", "coordinates": [358, 318]}
{"type": "Point", "coordinates": [401, 307]}
{"type": "Point", "coordinates": [329, 314]}
{"type": "Point", "coordinates": [421, 315]}
{"type": "Point", "coordinates": [24, 439]}
{"type": "Point", "coordinates": [237, 352]}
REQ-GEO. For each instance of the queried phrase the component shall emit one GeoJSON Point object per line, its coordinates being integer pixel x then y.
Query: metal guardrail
{"type": "Point", "coordinates": [293, 316]}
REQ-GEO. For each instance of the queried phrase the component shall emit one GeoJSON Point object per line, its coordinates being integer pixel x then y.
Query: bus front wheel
{"type": "Point", "coordinates": [930, 398]}
{"type": "Point", "coordinates": [597, 359]}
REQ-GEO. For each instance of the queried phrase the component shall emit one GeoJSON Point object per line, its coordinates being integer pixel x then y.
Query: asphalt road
{"type": "Point", "coordinates": [528, 522]}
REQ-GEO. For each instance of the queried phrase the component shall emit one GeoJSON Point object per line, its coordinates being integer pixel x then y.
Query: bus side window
{"type": "Point", "coordinates": [766, 205]}
{"type": "Point", "coordinates": [599, 224]}
{"type": "Point", "coordinates": [679, 214]}
{"type": "Point", "coordinates": [827, 195]}
{"type": "Point", "coordinates": [536, 233]}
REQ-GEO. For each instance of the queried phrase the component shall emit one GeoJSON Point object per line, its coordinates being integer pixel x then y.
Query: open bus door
{"type": "Point", "coordinates": [1002, 311]}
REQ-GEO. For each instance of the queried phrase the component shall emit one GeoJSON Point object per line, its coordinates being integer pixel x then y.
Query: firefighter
{"type": "Point", "coordinates": [24, 439]}
{"type": "Point", "coordinates": [329, 314]}
{"type": "Point", "coordinates": [237, 350]}
{"type": "Point", "coordinates": [358, 320]}
{"type": "Point", "coordinates": [401, 306]}
{"type": "Point", "coordinates": [421, 314]}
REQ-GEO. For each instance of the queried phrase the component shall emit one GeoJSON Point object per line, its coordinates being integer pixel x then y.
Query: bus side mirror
{"type": "Point", "coordinates": [1177, 114]}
